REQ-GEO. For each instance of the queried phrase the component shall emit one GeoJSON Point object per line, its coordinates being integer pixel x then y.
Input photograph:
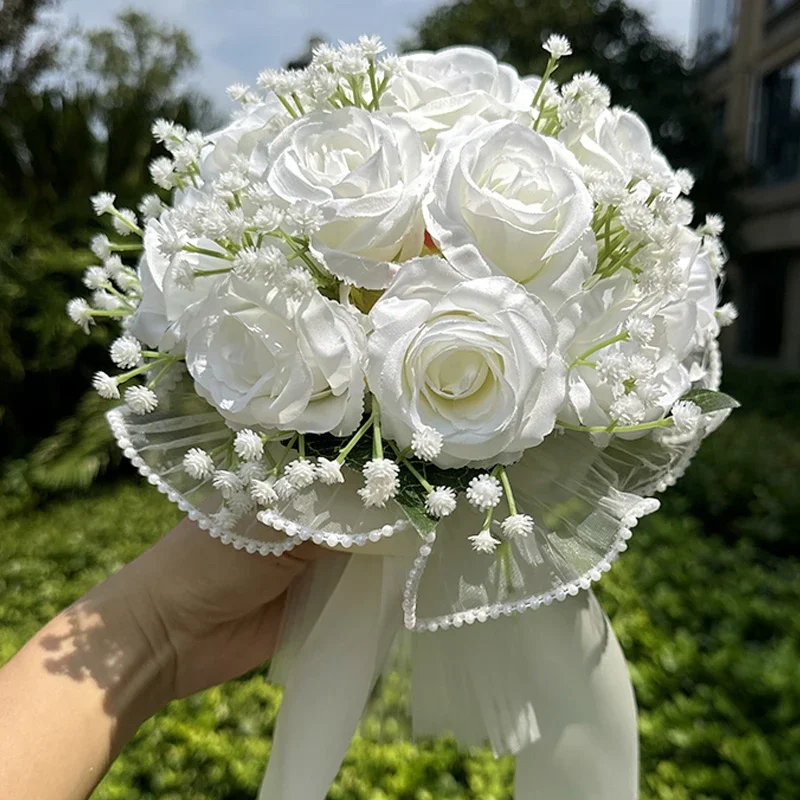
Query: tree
{"type": "Point", "coordinates": [59, 146]}
{"type": "Point", "coordinates": [644, 72]}
{"type": "Point", "coordinates": [23, 61]}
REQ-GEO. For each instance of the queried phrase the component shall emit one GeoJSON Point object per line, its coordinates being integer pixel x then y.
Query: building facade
{"type": "Point", "coordinates": [750, 50]}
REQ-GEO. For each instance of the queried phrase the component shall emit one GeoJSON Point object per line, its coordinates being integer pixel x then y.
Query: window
{"type": "Point", "coordinates": [778, 141]}
{"type": "Point", "coordinates": [762, 304]}
{"type": "Point", "coordinates": [716, 24]}
{"type": "Point", "coordinates": [774, 6]}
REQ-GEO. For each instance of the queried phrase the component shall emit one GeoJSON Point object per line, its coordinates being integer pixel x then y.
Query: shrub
{"type": "Point", "coordinates": [743, 483]}
{"type": "Point", "coordinates": [710, 630]}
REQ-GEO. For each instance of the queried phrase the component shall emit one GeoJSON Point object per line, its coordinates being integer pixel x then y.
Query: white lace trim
{"type": "Point", "coordinates": [647, 506]}
{"type": "Point", "coordinates": [713, 381]}
{"type": "Point", "coordinates": [204, 521]}
{"type": "Point", "coordinates": [296, 534]}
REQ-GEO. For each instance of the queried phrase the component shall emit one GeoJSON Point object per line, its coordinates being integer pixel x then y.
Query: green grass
{"type": "Point", "coordinates": [710, 628]}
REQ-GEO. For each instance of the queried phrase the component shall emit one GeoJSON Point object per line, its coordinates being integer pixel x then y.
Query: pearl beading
{"type": "Point", "coordinates": [296, 533]}
{"type": "Point", "coordinates": [570, 589]}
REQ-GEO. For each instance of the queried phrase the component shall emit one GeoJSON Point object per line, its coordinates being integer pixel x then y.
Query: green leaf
{"type": "Point", "coordinates": [414, 509]}
{"type": "Point", "coordinates": [709, 400]}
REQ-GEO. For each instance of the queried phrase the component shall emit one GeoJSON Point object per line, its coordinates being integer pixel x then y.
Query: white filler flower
{"type": "Point", "coordinates": [198, 463]}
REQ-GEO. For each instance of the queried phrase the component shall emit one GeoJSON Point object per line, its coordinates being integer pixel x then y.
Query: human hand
{"type": "Point", "coordinates": [209, 612]}
{"type": "Point", "coordinates": [188, 613]}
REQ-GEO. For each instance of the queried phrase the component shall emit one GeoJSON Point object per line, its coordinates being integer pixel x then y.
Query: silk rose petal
{"type": "Point", "coordinates": [475, 359]}
{"type": "Point", "coordinates": [506, 201]}
{"type": "Point", "coordinates": [366, 172]}
{"type": "Point", "coordinates": [433, 91]}
{"type": "Point", "coordinates": [263, 359]}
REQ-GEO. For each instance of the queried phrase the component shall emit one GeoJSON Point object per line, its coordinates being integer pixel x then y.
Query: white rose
{"type": "Point", "coordinates": [505, 200]}
{"type": "Point", "coordinates": [619, 143]}
{"type": "Point", "coordinates": [432, 91]}
{"type": "Point", "coordinates": [239, 138]}
{"type": "Point", "coordinates": [262, 359]}
{"type": "Point", "coordinates": [164, 298]}
{"type": "Point", "coordinates": [690, 320]}
{"type": "Point", "coordinates": [365, 171]}
{"type": "Point", "coordinates": [475, 359]}
{"type": "Point", "coordinates": [702, 290]}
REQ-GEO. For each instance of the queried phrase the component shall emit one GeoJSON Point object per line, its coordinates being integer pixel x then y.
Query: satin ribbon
{"type": "Point", "coordinates": [550, 686]}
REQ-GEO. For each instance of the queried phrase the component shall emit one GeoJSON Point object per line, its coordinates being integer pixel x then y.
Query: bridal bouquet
{"type": "Point", "coordinates": [395, 290]}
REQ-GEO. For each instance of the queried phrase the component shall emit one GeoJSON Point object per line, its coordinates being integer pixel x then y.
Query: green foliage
{"type": "Point", "coordinates": [743, 483]}
{"type": "Point", "coordinates": [139, 52]}
{"type": "Point", "coordinates": [21, 62]}
{"type": "Point", "coordinates": [57, 149]}
{"type": "Point", "coordinates": [709, 401]}
{"type": "Point", "coordinates": [710, 630]}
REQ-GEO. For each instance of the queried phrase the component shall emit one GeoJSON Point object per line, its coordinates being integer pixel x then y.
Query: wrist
{"type": "Point", "coordinates": [110, 639]}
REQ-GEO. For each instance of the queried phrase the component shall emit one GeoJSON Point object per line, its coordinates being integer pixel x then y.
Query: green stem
{"type": "Point", "coordinates": [377, 439]}
{"type": "Point", "coordinates": [153, 383]}
{"type": "Point", "coordinates": [610, 248]}
{"type": "Point", "coordinates": [628, 257]}
{"type": "Point", "coordinates": [644, 426]}
{"type": "Point", "coordinates": [127, 223]}
{"type": "Point", "coordinates": [552, 64]}
{"type": "Point", "coordinates": [108, 287]}
{"type": "Point", "coordinates": [504, 557]}
{"type": "Point", "coordinates": [373, 85]}
{"type": "Point", "coordinates": [270, 460]}
{"type": "Point", "coordinates": [426, 485]}
{"type": "Point", "coordinates": [512, 506]}
{"type": "Point", "coordinates": [357, 437]}
{"type": "Point", "coordinates": [487, 519]}
{"type": "Point", "coordinates": [203, 251]}
{"type": "Point", "coordinates": [126, 248]}
{"type": "Point", "coordinates": [301, 446]}
{"type": "Point", "coordinates": [287, 105]}
{"type": "Point", "coordinates": [620, 337]}
{"type": "Point", "coordinates": [355, 84]}
{"type": "Point", "coordinates": [298, 103]}
{"type": "Point", "coordinates": [205, 273]}
{"type": "Point", "coordinates": [126, 376]}
{"type": "Point", "coordinates": [221, 449]}
{"type": "Point", "coordinates": [113, 312]}
{"type": "Point", "coordinates": [342, 97]}
{"type": "Point", "coordinates": [285, 457]}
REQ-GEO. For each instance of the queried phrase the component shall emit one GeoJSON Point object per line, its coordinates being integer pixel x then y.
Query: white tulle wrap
{"type": "Point", "coordinates": [549, 685]}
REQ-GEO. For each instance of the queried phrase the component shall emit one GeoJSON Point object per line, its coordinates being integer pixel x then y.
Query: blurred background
{"type": "Point", "coordinates": [705, 602]}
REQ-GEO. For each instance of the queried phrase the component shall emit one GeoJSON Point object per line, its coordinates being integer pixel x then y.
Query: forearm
{"type": "Point", "coordinates": [74, 695]}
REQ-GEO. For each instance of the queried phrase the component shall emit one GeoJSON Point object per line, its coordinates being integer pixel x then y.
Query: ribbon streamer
{"type": "Point", "coordinates": [550, 687]}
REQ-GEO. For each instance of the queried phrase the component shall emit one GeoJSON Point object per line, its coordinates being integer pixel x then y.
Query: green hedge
{"type": "Point", "coordinates": [710, 629]}
{"type": "Point", "coordinates": [743, 482]}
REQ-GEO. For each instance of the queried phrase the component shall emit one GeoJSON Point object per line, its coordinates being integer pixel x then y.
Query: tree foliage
{"type": "Point", "coordinates": [23, 57]}
{"type": "Point", "coordinates": [59, 145]}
